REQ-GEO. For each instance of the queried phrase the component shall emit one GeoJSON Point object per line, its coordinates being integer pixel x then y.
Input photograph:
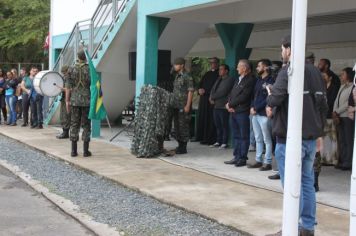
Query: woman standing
{"type": "Point", "coordinates": [11, 99]}
{"type": "Point", "coordinates": [2, 97]}
{"type": "Point", "coordinates": [329, 153]}
{"type": "Point", "coordinates": [345, 124]}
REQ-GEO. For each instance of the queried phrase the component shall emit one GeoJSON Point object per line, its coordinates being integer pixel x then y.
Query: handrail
{"type": "Point", "coordinates": [97, 29]}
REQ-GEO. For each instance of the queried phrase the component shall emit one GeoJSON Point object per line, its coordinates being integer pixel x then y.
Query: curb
{"type": "Point", "coordinates": [67, 206]}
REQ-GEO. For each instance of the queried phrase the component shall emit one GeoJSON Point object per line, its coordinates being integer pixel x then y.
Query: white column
{"type": "Point", "coordinates": [50, 49]}
{"type": "Point", "coordinates": [292, 181]}
{"type": "Point", "coordinates": [353, 186]}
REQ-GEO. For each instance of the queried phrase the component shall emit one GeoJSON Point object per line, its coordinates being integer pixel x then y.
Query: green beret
{"type": "Point", "coordinates": [179, 61]}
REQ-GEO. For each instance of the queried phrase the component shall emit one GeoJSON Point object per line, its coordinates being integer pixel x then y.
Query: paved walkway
{"type": "Point", "coordinates": [25, 212]}
{"type": "Point", "coordinates": [249, 209]}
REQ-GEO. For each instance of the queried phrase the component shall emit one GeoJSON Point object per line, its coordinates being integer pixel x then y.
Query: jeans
{"type": "Point", "coordinates": [36, 110]}
{"type": "Point", "coordinates": [307, 207]}
{"type": "Point", "coordinates": [240, 124]}
{"type": "Point", "coordinates": [262, 129]}
{"type": "Point", "coordinates": [11, 103]}
{"type": "Point", "coordinates": [221, 119]}
{"type": "Point", "coordinates": [252, 135]}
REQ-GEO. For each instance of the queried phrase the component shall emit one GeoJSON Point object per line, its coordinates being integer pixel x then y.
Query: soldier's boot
{"type": "Point", "coordinates": [74, 152]}
{"type": "Point", "coordinates": [182, 149]}
{"type": "Point", "coordinates": [316, 181]}
{"type": "Point", "coordinates": [64, 134]}
{"type": "Point", "coordinates": [86, 152]}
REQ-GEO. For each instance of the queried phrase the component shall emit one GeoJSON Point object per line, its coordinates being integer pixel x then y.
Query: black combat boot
{"type": "Point", "coordinates": [182, 149]}
{"type": "Point", "coordinates": [86, 152]}
{"type": "Point", "coordinates": [64, 134]}
{"type": "Point", "coordinates": [316, 181]}
{"type": "Point", "coordinates": [74, 149]}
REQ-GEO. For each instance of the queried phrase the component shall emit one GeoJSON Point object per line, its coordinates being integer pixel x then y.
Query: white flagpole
{"type": "Point", "coordinates": [353, 184]}
{"type": "Point", "coordinates": [292, 181]}
{"type": "Point", "coordinates": [50, 49]}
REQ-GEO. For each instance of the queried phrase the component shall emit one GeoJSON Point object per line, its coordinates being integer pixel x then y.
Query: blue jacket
{"type": "Point", "coordinates": [259, 100]}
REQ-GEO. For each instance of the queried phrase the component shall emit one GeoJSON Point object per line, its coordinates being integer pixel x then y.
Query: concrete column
{"type": "Point", "coordinates": [235, 38]}
{"type": "Point", "coordinates": [149, 31]}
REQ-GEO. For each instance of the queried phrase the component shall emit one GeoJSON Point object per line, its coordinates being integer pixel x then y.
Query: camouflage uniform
{"type": "Point", "coordinates": [183, 84]}
{"type": "Point", "coordinates": [79, 83]}
{"type": "Point", "coordinates": [64, 114]}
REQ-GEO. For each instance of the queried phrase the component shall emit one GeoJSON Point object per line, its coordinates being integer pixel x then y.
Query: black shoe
{"type": "Point", "coordinates": [63, 135]}
{"type": "Point", "coordinates": [13, 124]}
{"type": "Point", "coordinates": [39, 127]}
{"type": "Point", "coordinates": [86, 152]}
{"type": "Point", "coordinates": [241, 163]}
{"type": "Point", "coordinates": [231, 162]}
{"type": "Point", "coordinates": [182, 148]}
{"type": "Point", "coordinates": [33, 126]}
{"type": "Point", "coordinates": [305, 232]}
{"type": "Point", "coordinates": [24, 125]}
{"type": "Point", "coordinates": [74, 152]}
{"type": "Point", "coordinates": [274, 177]}
{"type": "Point", "coordinates": [345, 168]}
{"type": "Point", "coordinates": [256, 165]}
{"type": "Point", "coordinates": [266, 167]}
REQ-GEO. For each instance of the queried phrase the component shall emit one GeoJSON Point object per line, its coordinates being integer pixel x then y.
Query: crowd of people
{"type": "Point", "coordinates": [19, 100]}
{"type": "Point", "coordinates": [240, 105]}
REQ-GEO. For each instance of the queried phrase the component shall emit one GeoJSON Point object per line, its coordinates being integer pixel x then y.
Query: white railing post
{"type": "Point", "coordinates": [293, 161]}
{"type": "Point", "coordinates": [353, 184]}
{"type": "Point", "coordinates": [114, 9]}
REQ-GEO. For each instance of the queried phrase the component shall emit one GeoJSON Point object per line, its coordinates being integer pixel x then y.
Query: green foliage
{"type": "Point", "coordinates": [24, 25]}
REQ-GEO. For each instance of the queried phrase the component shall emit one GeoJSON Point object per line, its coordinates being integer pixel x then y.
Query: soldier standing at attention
{"type": "Point", "coordinates": [183, 89]}
{"type": "Point", "coordinates": [78, 103]}
{"type": "Point", "coordinates": [64, 115]}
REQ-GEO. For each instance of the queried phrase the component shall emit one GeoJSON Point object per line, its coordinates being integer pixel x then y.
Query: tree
{"type": "Point", "coordinates": [24, 25]}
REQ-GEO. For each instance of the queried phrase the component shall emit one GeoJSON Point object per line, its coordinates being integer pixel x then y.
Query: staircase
{"type": "Point", "coordinates": [97, 36]}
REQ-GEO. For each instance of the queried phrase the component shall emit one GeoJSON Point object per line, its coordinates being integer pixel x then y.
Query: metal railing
{"type": "Point", "coordinates": [91, 33]}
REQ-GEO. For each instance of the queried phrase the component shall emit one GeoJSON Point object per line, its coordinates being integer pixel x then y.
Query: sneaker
{"type": "Point", "coordinates": [223, 146]}
{"type": "Point", "coordinates": [274, 177]}
{"type": "Point", "coordinates": [279, 233]}
{"type": "Point", "coordinates": [215, 145]}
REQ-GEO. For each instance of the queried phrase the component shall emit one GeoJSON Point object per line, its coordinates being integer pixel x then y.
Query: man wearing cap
{"type": "Point", "coordinates": [206, 132]}
{"type": "Point", "coordinates": [182, 97]}
{"type": "Point", "coordinates": [78, 103]}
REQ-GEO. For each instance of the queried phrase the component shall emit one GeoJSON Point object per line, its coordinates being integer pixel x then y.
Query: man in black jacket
{"type": "Point", "coordinates": [314, 104]}
{"type": "Point", "coordinates": [239, 107]}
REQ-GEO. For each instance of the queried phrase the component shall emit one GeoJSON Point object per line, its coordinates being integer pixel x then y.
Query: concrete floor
{"type": "Point", "coordinates": [334, 184]}
{"type": "Point", "coordinates": [25, 212]}
{"type": "Point", "coordinates": [228, 202]}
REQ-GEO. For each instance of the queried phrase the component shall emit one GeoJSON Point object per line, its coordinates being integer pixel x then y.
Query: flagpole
{"type": "Point", "coordinates": [50, 48]}
{"type": "Point", "coordinates": [353, 183]}
{"type": "Point", "coordinates": [293, 160]}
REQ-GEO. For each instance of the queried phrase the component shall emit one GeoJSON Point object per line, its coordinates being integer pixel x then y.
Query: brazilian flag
{"type": "Point", "coordinates": [97, 109]}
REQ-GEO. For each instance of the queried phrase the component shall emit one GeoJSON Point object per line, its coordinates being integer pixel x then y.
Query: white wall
{"type": "Point", "coordinates": [65, 13]}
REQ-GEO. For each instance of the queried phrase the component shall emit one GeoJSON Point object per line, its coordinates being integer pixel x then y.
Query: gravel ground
{"type": "Point", "coordinates": [105, 201]}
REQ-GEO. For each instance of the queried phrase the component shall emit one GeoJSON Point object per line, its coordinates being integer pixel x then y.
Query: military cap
{"type": "Point", "coordinates": [81, 55]}
{"type": "Point", "coordinates": [179, 61]}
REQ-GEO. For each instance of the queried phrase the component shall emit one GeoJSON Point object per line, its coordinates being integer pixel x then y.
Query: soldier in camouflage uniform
{"type": "Point", "coordinates": [182, 97]}
{"type": "Point", "coordinates": [78, 102]}
{"type": "Point", "coordinates": [64, 115]}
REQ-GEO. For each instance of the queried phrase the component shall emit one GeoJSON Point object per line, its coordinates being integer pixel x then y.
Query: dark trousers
{"type": "Point", "coordinates": [37, 110]}
{"type": "Point", "coordinates": [25, 107]}
{"type": "Point", "coordinates": [346, 139]}
{"type": "Point", "coordinates": [221, 120]}
{"type": "Point", "coordinates": [19, 108]}
{"type": "Point", "coordinates": [240, 124]}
